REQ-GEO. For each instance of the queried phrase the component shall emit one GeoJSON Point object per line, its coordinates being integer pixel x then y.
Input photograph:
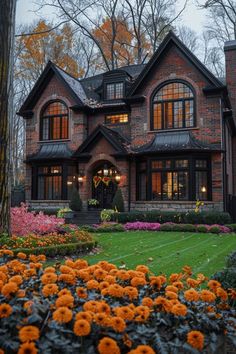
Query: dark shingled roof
{"type": "Point", "coordinates": [52, 151]}
{"type": "Point", "coordinates": [175, 141]}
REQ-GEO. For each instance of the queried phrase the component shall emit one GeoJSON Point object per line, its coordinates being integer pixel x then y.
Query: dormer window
{"type": "Point", "coordinates": [54, 122]}
{"type": "Point", "coordinates": [114, 91]}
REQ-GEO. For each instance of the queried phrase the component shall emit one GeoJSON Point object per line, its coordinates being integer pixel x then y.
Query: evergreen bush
{"type": "Point", "coordinates": [76, 202]}
{"type": "Point", "coordinates": [118, 201]}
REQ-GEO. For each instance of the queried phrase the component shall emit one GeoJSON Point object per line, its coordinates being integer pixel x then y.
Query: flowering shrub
{"type": "Point", "coordinates": [24, 222]}
{"type": "Point", "coordinates": [169, 226]}
{"type": "Point", "coordinates": [138, 225]}
{"type": "Point", "coordinates": [77, 308]}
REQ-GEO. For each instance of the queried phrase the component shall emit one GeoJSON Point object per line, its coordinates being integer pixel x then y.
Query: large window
{"type": "Point", "coordinates": [173, 107]}
{"type": "Point", "coordinates": [50, 182]}
{"type": "Point", "coordinates": [114, 90]}
{"type": "Point", "coordinates": [54, 122]}
{"type": "Point", "coordinates": [173, 179]}
{"type": "Point", "coordinates": [117, 118]}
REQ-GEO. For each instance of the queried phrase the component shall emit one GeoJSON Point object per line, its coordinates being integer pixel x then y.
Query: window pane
{"type": "Point", "coordinates": [142, 192]}
{"type": "Point", "coordinates": [178, 114]}
{"type": "Point", "coordinates": [181, 163]}
{"type": "Point", "coordinates": [119, 90]}
{"type": "Point", "coordinates": [189, 119]}
{"type": "Point", "coordinates": [64, 127]}
{"type": "Point", "coordinates": [183, 185]}
{"type": "Point", "coordinates": [156, 186]}
{"type": "Point", "coordinates": [167, 185]}
{"type": "Point", "coordinates": [110, 91]}
{"type": "Point", "coordinates": [174, 90]}
{"type": "Point", "coordinates": [157, 164]}
{"type": "Point", "coordinates": [117, 118]}
{"type": "Point", "coordinates": [56, 185]}
{"type": "Point", "coordinates": [201, 185]}
{"type": "Point", "coordinates": [157, 116]}
{"type": "Point", "coordinates": [50, 183]}
{"type": "Point", "coordinates": [41, 187]}
{"type": "Point", "coordinates": [45, 128]}
{"type": "Point", "coordinates": [55, 121]}
{"type": "Point", "coordinates": [56, 128]}
{"type": "Point", "coordinates": [201, 163]}
{"type": "Point", "coordinates": [55, 169]}
{"type": "Point", "coordinates": [168, 115]}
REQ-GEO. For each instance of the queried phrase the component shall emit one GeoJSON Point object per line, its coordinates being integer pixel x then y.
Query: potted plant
{"type": "Point", "coordinates": [93, 204]}
{"type": "Point", "coordinates": [66, 213]}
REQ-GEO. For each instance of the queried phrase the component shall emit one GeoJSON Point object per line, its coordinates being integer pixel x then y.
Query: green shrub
{"type": "Point", "coordinates": [227, 277]}
{"type": "Point", "coordinates": [88, 228]}
{"type": "Point", "coordinates": [187, 227]}
{"type": "Point", "coordinates": [107, 214]}
{"type": "Point", "coordinates": [232, 227]}
{"type": "Point", "coordinates": [231, 260]}
{"type": "Point", "coordinates": [202, 228]}
{"type": "Point", "coordinates": [203, 217]}
{"type": "Point", "coordinates": [62, 250]}
{"type": "Point", "coordinates": [118, 201]}
{"type": "Point", "coordinates": [111, 228]}
{"type": "Point", "coordinates": [214, 230]}
{"type": "Point", "coordinates": [46, 211]}
{"type": "Point", "coordinates": [76, 202]}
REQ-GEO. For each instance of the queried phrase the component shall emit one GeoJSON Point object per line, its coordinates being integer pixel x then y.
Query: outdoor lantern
{"type": "Point", "coordinates": [81, 178]}
{"type": "Point", "coordinates": [117, 178]}
{"type": "Point", "coordinates": [105, 170]}
{"type": "Point", "coordinates": [69, 183]}
{"type": "Point", "coordinates": [203, 189]}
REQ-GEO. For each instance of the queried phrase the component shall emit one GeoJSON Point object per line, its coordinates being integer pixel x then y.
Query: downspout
{"type": "Point", "coordinates": [129, 186]}
{"type": "Point", "coordinates": [223, 142]}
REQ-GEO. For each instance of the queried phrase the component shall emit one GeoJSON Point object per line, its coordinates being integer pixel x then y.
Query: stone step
{"type": "Point", "coordinates": [86, 217]}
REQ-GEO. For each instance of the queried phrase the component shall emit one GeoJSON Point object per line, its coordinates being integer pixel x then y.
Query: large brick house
{"type": "Point", "coordinates": [163, 132]}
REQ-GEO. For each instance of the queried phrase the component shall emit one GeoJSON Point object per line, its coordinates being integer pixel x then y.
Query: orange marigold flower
{"type": "Point", "coordinates": [103, 285]}
{"type": "Point", "coordinates": [91, 306]}
{"type": "Point", "coordinates": [107, 346]}
{"type": "Point", "coordinates": [80, 264]}
{"type": "Point", "coordinates": [115, 290]}
{"type": "Point", "coordinates": [21, 293]}
{"type": "Point", "coordinates": [65, 300]}
{"type": "Point", "coordinates": [143, 349]}
{"type": "Point", "coordinates": [49, 270]}
{"type": "Point", "coordinates": [124, 312]}
{"type": "Point", "coordinates": [222, 294]}
{"type": "Point", "coordinates": [66, 270]}
{"type": "Point", "coordinates": [103, 307]}
{"type": "Point", "coordinates": [62, 315]}
{"type": "Point", "coordinates": [101, 319]}
{"type": "Point", "coordinates": [131, 292]}
{"type": "Point", "coordinates": [192, 283]}
{"type": "Point", "coordinates": [100, 274]}
{"type": "Point", "coordinates": [232, 293]}
{"type": "Point", "coordinates": [50, 289]}
{"type": "Point", "coordinates": [155, 282]}
{"type": "Point", "coordinates": [213, 285]}
{"type": "Point", "coordinates": [142, 268]}
{"type": "Point", "coordinates": [92, 284]}
{"type": "Point", "coordinates": [123, 274]}
{"type": "Point", "coordinates": [84, 315]}
{"type": "Point", "coordinates": [196, 339]}
{"type": "Point", "coordinates": [137, 281]}
{"type": "Point", "coordinates": [201, 277]}
{"type": "Point", "coordinates": [27, 348]}
{"type": "Point", "coordinates": [191, 295]}
{"type": "Point", "coordinates": [178, 284]}
{"type": "Point", "coordinates": [110, 279]}
{"type": "Point", "coordinates": [163, 303]}
{"type": "Point", "coordinates": [118, 324]}
{"type": "Point", "coordinates": [8, 253]}
{"type": "Point", "coordinates": [179, 310]}
{"type": "Point", "coordinates": [5, 310]}
{"type": "Point", "coordinates": [82, 328]}
{"type": "Point", "coordinates": [64, 292]}
{"type": "Point", "coordinates": [21, 255]}
{"type": "Point", "coordinates": [67, 278]}
{"type": "Point", "coordinates": [172, 288]}
{"type": "Point", "coordinates": [29, 333]}
{"type": "Point", "coordinates": [48, 278]}
{"type": "Point", "coordinates": [84, 275]}
{"type": "Point", "coordinates": [147, 301]}
{"type": "Point", "coordinates": [1, 351]}
{"type": "Point", "coordinates": [16, 279]}
{"type": "Point", "coordinates": [3, 277]}
{"type": "Point", "coordinates": [207, 296]}
{"type": "Point", "coordinates": [127, 341]}
{"type": "Point", "coordinates": [81, 292]}
{"type": "Point", "coordinates": [175, 277]}
{"type": "Point", "coordinates": [9, 289]}
{"type": "Point", "coordinates": [171, 295]}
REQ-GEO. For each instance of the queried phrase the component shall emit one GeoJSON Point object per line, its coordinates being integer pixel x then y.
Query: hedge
{"type": "Point", "coordinates": [203, 217]}
{"type": "Point", "coordinates": [62, 250]}
{"type": "Point", "coordinates": [227, 276]}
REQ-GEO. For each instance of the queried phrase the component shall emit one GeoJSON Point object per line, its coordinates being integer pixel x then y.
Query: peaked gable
{"type": "Point", "coordinates": [170, 40]}
{"type": "Point", "coordinates": [72, 85]}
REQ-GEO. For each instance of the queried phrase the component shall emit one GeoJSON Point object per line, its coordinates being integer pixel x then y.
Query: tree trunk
{"type": "Point", "coordinates": [7, 21]}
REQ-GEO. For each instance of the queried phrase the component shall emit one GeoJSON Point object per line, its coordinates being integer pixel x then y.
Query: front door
{"type": "Point", "coordinates": [104, 187]}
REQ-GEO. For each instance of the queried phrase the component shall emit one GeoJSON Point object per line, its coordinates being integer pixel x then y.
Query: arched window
{"type": "Point", "coordinates": [54, 122]}
{"type": "Point", "coordinates": [173, 107]}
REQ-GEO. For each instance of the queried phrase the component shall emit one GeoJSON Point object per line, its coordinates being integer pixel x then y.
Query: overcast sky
{"type": "Point", "coordinates": [193, 17]}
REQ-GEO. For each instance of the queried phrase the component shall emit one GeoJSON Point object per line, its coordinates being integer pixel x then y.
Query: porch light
{"type": "Point", "coordinates": [69, 183]}
{"type": "Point", "coordinates": [81, 178]}
{"type": "Point", "coordinates": [203, 189]}
{"type": "Point", "coordinates": [105, 170]}
{"type": "Point", "coordinates": [117, 178]}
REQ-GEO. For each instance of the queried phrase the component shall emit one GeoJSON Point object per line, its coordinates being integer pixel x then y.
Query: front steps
{"type": "Point", "coordinates": [89, 217]}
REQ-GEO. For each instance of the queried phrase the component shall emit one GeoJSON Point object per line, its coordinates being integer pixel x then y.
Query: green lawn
{"type": "Point", "coordinates": [166, 252]}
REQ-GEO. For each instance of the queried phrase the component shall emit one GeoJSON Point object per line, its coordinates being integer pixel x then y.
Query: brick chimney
{"type": "Point", "coordinates": [230, 62]}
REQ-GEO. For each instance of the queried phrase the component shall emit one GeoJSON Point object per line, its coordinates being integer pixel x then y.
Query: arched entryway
{"type": "Point", "coordinates": [105, 178]}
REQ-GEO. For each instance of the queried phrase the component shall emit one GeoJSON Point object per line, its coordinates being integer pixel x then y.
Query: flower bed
{"type": "Point", "coordinates": [24, 222]}
{"type": "Point", "coordinates": [50, 244]}
{"type": "Point", "coordinates": [102, 309]}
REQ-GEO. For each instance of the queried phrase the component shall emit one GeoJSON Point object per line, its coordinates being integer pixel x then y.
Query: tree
{"type": "Point", "coordinates": [189, 38]}
{"type": "Point", "coordinates": [7, 21]}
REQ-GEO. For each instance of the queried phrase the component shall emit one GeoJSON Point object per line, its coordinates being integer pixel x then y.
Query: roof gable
{"type": "Point", "coordinates": [71, 84]}
{"type": "Point", "coordinates": [170, 40]}
{"type": "Point", "coordinates": [118, 142]}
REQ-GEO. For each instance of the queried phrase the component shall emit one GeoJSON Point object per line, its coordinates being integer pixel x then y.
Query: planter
{"type": "Point", "coordinates": [92, 207]}
{"type": "Point", "coordinates": [69, 215]}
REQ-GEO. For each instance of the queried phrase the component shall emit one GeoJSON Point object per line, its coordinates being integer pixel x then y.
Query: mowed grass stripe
{"type": "Point", "coordinates": [170, 251]}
